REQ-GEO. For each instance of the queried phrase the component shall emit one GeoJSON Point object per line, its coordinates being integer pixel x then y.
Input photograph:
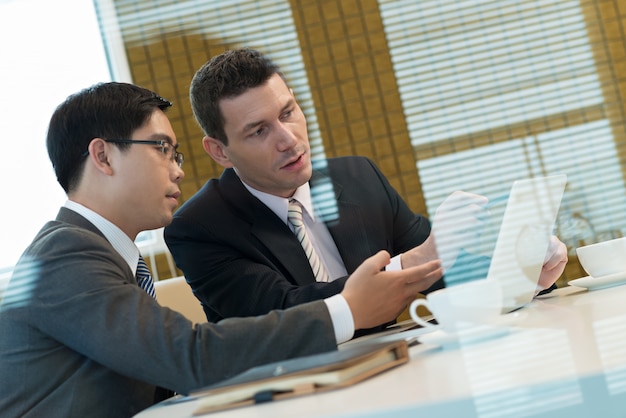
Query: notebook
{"type": "Point", "coordinates": [523, 240]}
{"type": "Point", "coordinates": [302, 376]}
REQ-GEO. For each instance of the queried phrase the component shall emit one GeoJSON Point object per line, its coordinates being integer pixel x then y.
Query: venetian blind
{"type": "Point", "coordinates": [494, 91]}
{"type": "Point", "coordinates": [262, 24]}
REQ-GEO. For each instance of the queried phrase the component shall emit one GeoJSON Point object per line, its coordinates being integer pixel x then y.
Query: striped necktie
{"type": "Point", "coordinates": [144, 279]}
{"type": "Point", "coordinates": [295, 219]}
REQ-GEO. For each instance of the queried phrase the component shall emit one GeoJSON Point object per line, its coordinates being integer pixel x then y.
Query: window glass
{"type": "Point", "coordinates": [44, 59]}
{"type": "Point", "coordinates": [494, 91]}
{"type": "Point", "coordinates": [207, 28]}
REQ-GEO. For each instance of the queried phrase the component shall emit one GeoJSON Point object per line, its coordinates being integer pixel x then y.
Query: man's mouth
{"type": "Point", "coordinates": [294, 161]}
{"type": "Point", "coordinates": [175, 195]}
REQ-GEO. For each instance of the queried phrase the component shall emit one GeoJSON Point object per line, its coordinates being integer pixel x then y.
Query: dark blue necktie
{"type": "Point", "coordinates": [144, 278]}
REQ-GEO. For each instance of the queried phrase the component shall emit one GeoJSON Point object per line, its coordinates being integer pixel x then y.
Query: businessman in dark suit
{"type": "Point", "coordinates": [233, 238]}
{"type": "Point", "coordinates": [241, 259]}
{"type": "Point", "coordinates": [81, 333]}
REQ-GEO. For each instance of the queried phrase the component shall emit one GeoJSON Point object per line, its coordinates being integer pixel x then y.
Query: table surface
{"type": "Point", "coordinates": [564, 354]}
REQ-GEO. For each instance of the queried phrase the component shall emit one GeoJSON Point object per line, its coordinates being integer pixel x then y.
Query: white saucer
{"type": "Point", "coordinates": [595, 283]}
{"type": "Point", "coordinates": [469, 336]}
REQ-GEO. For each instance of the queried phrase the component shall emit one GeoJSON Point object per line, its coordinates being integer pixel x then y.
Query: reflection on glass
{"type": "Point", "coordinates": [323, 195]}
{"type": "Point", "coordinates": [493, 372]}
{"type": "Point", "coordinates": [21, 285]}
{"type": "Point", "coordinates": [610, 335]}
{"type": "Point", "coordinates": [529, 248]}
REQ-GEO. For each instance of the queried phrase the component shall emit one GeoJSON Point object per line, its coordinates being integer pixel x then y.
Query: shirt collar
{"type": "Point", "coordinates": [279, 205]}
{"type": "Point", "coordinates": [118, 239]}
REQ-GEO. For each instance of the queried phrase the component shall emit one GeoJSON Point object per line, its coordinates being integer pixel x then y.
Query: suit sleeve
{"type": "Point", "coordinates": [91, 305]}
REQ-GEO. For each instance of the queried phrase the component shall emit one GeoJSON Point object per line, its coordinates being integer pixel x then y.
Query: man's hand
{"type": "Point", "coordinates": [554, 263]}
{"type": "Point", "coordinates": [376, 297]}
{"type": "Point", "coordinates": [457, 224]}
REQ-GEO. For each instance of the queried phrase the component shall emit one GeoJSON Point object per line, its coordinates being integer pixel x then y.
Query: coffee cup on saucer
{"type": "Point", "coordinates": [461, 307]}
{"type": "Point", "coordinates": [602, 259]}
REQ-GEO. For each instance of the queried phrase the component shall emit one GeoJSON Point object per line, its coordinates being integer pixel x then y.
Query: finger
{"type": "Point", "coordinates": [463, 200]}
{"type": "Point", "coordinates": [554, 262]}
{"type": "Point", "coordinates": [425, 282]}
{"type": "Point", "coordinates": [376, 262]}
{"type": "Point", "coordinates": [430, 271]}
{"type": "Point", "coordinates": [556, 253]}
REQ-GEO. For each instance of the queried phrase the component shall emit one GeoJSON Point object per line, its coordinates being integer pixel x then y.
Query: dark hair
{"type": "Point", "coordinates": [105, 110]}
{"type": "Point", "coordinates": [226, 75]}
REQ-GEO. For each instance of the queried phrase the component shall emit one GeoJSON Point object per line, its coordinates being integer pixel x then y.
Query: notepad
{"type": "Point", "coordinates": [301, 376]}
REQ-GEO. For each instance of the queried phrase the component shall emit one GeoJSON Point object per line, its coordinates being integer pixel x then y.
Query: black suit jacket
{"type": "Point", "coordinates": [241, 259]}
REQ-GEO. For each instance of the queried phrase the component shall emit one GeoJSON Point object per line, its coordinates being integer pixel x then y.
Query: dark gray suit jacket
{"type": "Point", "coordinates": [241, 259]}
{"type": "Point", "coordinates": [79, 338]}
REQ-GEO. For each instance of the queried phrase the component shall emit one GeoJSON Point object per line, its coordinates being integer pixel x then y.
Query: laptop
{"type": "Point", "coordinates": [524, 236]}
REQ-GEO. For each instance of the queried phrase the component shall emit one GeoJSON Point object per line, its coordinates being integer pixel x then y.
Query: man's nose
{"type": "Point", "coordinates": [285, 138]}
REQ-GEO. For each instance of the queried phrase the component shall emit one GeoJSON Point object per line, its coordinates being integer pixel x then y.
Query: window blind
{"type": "Point", "coordinates": [494, 91]}
{"type": "Point", "coordinates": [266, 25]}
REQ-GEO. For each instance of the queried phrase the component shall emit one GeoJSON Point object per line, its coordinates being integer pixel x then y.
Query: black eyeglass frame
{"type": "Point", "coordinates": [177, 157]}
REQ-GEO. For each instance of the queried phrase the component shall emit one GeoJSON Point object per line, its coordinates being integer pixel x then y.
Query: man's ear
{"type": "Point", "coordinates": [217, 150]}
{"type": "Point", "coordinates": [99, 155]}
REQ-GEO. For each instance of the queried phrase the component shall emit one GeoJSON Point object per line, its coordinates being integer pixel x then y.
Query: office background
{"type": "Point", "coordinates": [442, 95]}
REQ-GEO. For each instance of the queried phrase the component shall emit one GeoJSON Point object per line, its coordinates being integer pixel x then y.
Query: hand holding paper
{"type": "Point", "coordinates": [554, 263]}
{"type": "Point", "coordinates": [457, 224]}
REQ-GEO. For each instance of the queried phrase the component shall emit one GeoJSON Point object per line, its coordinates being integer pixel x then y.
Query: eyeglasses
{"type": "Point", "coordinates": [166, 148]}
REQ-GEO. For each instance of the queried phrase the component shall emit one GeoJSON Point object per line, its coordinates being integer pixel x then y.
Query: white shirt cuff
{"type": "Point", "coordinates": [395, 264]}
{"type": "Point", "coordinates": [341, 315]}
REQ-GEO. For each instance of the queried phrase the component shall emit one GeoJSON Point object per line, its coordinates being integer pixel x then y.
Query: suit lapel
{"type": "Point", "coordinates": [271, 231]}
{"type": "Point", "coordinates": [344, 219]}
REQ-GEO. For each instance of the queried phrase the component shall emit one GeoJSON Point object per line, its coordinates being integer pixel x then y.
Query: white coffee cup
{"type": "Point", "coordinates": [603, 258]}
{"type": "Point", "coordinates": [462, 306]}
